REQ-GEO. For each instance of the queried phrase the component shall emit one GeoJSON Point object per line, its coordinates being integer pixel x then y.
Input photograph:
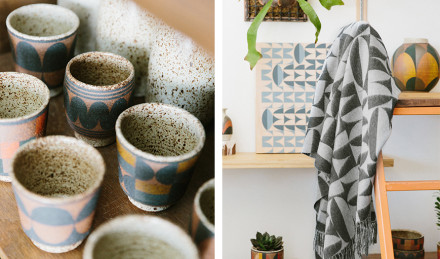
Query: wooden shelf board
{"type": "Point", "coordinates": [253, 160]}
{"type": "Point", "coordinates": [428, 255]}
{"type": "Point", "coordinates": [418, 103]}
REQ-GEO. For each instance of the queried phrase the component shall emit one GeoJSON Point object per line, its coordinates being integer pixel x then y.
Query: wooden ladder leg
{"type": "Point", "coordinates": [382, 211]}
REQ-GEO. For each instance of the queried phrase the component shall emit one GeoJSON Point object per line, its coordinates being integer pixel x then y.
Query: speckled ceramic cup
{"type": "Point", "coordinates": [97, 88]}
{"type": "Point", "coordinates": [201, 226]}
{"type": "Point", "coordinates": [56, 181]}
{"type": "Point", "coordinates": [138, 237]}
{"type": "Point", "coordinates": [24, 103]}
{"type": "Point", "coordinates": [158, 146]}
{"type": "Point", "coordinates": [42, 38]}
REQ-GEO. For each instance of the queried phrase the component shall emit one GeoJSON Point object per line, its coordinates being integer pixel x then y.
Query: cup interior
{"type": "Point", "coordinates": [100, 69]}
{"type": "Point", "coordinates": [207, 204]}
{"type": "Point", "coordinates": [161, 130]}
{"type": "Point", "coordinates": [21, 95]}
{"type": "Point", "coordinates": [56, 167]}
{"type": "Point", "coordinates": [135, 238]}
{"type": "Point", "coordinates": [43, 20]}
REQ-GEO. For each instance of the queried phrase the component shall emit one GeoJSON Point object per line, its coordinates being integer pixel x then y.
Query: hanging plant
{"type": "Point", "coordinates": [253, 55]}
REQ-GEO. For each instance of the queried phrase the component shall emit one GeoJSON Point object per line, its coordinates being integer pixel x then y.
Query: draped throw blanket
{"type": "Point", "coordinates": [349, 124]}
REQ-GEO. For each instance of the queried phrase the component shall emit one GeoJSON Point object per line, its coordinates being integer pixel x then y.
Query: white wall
{"type": "Point", "coordinates": [280, 200]}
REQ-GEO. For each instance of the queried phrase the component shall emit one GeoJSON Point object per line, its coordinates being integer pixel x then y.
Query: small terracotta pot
{"type": "Point", "coordinates": [158, 146]}
{"type": "Point", "coordinates": [136, 236]}
{"type": "Point", "coordinates": [23, 115]}
{"type": "Point", "coordinates": [56, 181]}
{"type": "Point", "coordinates": [438, 250]}
{"type": "Point", "coordinates": [98, 87]}
{"type": "Point", "coordinates": [402, 254]}
{"type": "Point", "coordinates": [202, 221]}
{"type": "Point", "coordinates": [257, 254]}
{"type": "Point", "coordinates": [43, 40]}
{"type": "Point", "coordinates": [407, 240]}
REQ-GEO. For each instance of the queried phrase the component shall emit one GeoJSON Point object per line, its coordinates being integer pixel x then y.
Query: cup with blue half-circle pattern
{"type": "Point", "coordinates": [98, 86]}
{"type": "Point", "coordinates": [43, 38]}
{"type": "Point", "coordinates": [56, 182]}
{"type": "Point", "coordinates": [158, 147]}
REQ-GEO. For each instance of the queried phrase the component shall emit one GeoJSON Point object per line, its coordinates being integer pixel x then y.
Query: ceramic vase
{"type": "Point", "coordinates": [87, 11]}
{"type": "Point", "coordinates": [438, 250]}
{"type": "Point", "coordinates": [415, 65]}
{"type": "Point", "coordinates": [125, 29]}
{"type": "Point", "coordinates": [256, 254]}
{"type": "Point", "coordinates": [43, 38]}
{"type": "Point", "coordinates": [181, 73]}
{"type": "Point", "coordinates": [227, 129]}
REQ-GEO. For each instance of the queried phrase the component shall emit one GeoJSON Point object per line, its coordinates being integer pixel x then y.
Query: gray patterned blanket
{"type": "Point", "coordinates": [349, 124]}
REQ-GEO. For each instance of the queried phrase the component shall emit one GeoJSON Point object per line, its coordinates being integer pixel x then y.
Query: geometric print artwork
{"type": "Point", "coordinates": [285, 85]}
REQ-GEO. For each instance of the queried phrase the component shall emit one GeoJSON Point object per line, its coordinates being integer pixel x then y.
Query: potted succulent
{"type": "Point", "coordinates": [253, 55]}
{"type": "Point", "coordinates": [266, 246]}
{"type": "Point", "coordinates": [437, 210]}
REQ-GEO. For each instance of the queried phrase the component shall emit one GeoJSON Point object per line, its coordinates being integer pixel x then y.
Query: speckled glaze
{"type": "Point", "coordinates": [256, 254]}
{"type": "Point", "coordinates": [158, 146]}
{"type": "Point", "coordinates": [181, 73]}
{"type": "Point", "coordinates": [97, 88]}
{"type": "Point", "coordinates": [136, 237]}
{"type": "Point", "coordinates": [201, 226]}
{"type": "Point", "coordinates": [128, 30]}
{"type": "Point", "coordinates": [56, 182]}
{"type": "Point", "coordinates": [42, 38]}
{"type": "Point", "coordinates": [87, 11]}
{"type": "Point", "coordinates": [24, 103]}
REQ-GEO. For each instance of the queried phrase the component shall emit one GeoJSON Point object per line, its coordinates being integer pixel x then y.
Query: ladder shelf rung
{"type": "Point", "coordinates": [412, 185]}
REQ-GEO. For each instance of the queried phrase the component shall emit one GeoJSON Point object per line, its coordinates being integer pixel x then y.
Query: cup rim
{"type": "Point", "coordinates": [166, 159]}
{"type": "Point", "coordinates": [59, 200]}
{"type": "Point", "coordinates": [42, 38]}
{"type": "Point", "coordinates": [119, 221]}
{"type": "Point", "coordinates": [28, 78]}
{"type": "Point", "coordinates": [100, 87]}
{"type": "Point", "coordinates": [210, 184]}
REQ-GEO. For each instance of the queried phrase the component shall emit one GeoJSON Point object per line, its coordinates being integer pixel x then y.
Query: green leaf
{"type": "Point", "coordinates": [259, 235]}
{"type": "Point", "coordinates": [329, 3]}
{"type": "Point", "coordinates": [308, 9]}
{"type": "Point", "coordinates": [253, 55]}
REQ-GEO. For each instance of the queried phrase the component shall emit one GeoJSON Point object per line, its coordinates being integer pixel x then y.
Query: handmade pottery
{"type": "Point", "coordinates": [43, 39]}
{"type": "Point", "coordinates": [415, 65]}
{"type": "Point", "coordinates": [438, 250]}
{"type": "Point", "coordinates": [158, 146]}
{"type": "Point", "coordinates": [181, 73]}
{"type": "Point", "coordinates": [201, 226]}
{"type": "Point", "coordinates": [136, 236]}
{"type": "Point", "coordinates": [98, 87]}
{"type": "Point", "coordinates": [87, 11]}
{"type": "Point", "coordinates": [56, 182]}
{"type": "Point", "coordinates": [400, 254]}
{"type": "Point", "coordinates": [281, 3]}
{"type": "Point", "coordinates": [23, 115]}
{"type": "Point", "coordinates": [227, 130]}
{"type": "Point", "coordinates": [256, 254]}
{"type": "Point", "coordinates": [408, 240]}
{"type": "Point", "coordinates": [126, 29]}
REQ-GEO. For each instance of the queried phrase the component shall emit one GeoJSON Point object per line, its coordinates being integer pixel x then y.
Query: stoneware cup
{"type": "Point", "coordinates": [138, 237]}
{"type": "Point", "coordinates": [158, 146]}
{"type": "Point", "coordinates": [201, 226]}
{"type": "Point", "coordinates": [42, 38]}
{"type": "Point", "coordinates": [56, 181]}
{"type": "Point", "coordinates": [98, 87]}
{"type": "Point", "coordinates": [24, 102]}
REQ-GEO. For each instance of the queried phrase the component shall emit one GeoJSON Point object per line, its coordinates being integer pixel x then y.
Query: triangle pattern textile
{"type": "Point", "coordinates": [346, 131]}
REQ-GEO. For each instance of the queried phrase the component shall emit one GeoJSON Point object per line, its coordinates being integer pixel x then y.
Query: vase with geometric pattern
{"type": "Point", "coordinates": [415, 65]}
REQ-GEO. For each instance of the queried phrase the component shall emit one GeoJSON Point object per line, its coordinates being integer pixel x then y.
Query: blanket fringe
{"type": "Point", "coordinates": [366, 235]}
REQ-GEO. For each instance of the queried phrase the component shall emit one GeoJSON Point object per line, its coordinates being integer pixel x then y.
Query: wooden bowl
{"type": "Point", "coordinates": [400, 254]}
{"type": "Point", "coordinates": [407, 240]}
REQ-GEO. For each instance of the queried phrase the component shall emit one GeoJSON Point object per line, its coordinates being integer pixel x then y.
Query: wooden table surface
{"type": "Point", "coordinates": [14, 244]}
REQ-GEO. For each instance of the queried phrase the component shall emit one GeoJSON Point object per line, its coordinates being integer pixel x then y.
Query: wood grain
{"type": "Point", "coordinates": [253, 160]}
{"type": "Point", "coordinates": [112, 201]}
{"type": "Point", "coordinates": [7, 6]}
{"type": "Point", "coordinates": [194, 18]}
{"type": "Point", "coordinates": [418, 99]}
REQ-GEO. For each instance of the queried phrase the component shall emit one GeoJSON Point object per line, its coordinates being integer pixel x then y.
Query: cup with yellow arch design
{"type": "Point", "coordinates": [158, 147]}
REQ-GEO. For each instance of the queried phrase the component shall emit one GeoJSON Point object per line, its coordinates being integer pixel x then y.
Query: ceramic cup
{"type": "Point", "coordinates": [42, 38]}
{"type": "Point", "coordinates": [24, 103]}
{"type": "Point", "coordinates": [136, 236]}
{"type": "Point", "coordinates": [98, 87]}
{"type": "Point", "coordinates": [202, 221]}
{"type": "Point", "coordinates": [158, 146]}
{"type": "Point", "coordinates": [56, 181]}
